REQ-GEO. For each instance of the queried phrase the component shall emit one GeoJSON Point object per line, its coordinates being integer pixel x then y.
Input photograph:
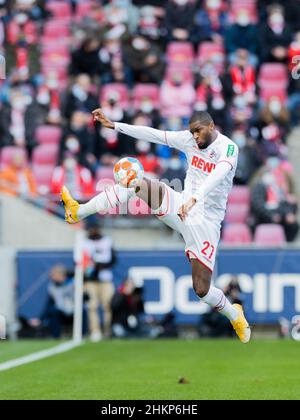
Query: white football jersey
{"type": "Point", "coordinates": [201, 163]}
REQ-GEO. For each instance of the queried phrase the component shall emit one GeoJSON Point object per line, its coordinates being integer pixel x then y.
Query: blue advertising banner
{"type": "Point", "coordinates": [269, 279]}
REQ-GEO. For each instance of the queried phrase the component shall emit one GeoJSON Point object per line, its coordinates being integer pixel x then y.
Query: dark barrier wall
{"type": "Point", "coordinates": [269, 279]}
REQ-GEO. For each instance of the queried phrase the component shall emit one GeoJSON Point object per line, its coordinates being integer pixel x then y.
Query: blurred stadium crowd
{"type": "Point", "coordinates": [151, 63]}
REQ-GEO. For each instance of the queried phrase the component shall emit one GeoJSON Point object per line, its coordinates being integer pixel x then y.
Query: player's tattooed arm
{"type": "Point", "coordinates": [99, 116]}
{"type": "Point", "coordinates": [186, 208]}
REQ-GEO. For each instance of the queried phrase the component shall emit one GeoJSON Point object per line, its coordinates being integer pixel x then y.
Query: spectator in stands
{"type": "Point", "coordinates": [99, 258]}
{"type": "Point", "coordinates": [85, 60]}
{"type": "Point", "coordinates": [21, 26]}
{"type": "Point", "coordinates": [211, 97]}
{"type": "Point", "coordinates": [149, 22]}
{"type": "Point", "coordinates": [113, 69]}
{"type": "Point", "coordinates": [78, 179]}
{"type": "Point", "coordinates": [155, 3]}
{"type": "Point", "coordinates": [249, 156]}
{"type": "Point", "coordinates": [273, 198]}
{"type": "Point", "coordinates": [119, 16]}
{"type": "Point", "coordinates": [241, 112]}
{"type": "Point", "coordinates": [294, 87]}
{"type": "Point", "coordinates": [177, 97]}
{"type": "Point", "coordinates": [210, 22]}
{"type": "Point", "coordinates": [147, 158]}
{"type": "Point", "coordinates": [243, 77]}
{"type": "Point", "coordinates": [148, 109]}
{"type": "Point", "coordinates": [273, 120]}
{"type": "Point", "coordinates": [242, 35]}
{"type": "Point", "coordinates": [46, 107]}
{"type": "Point", "coordinates": [174, 173]}
{"type": "Point", "coordinates": [179, 20]}
{"type": "Point", "coordinates": [275, 37]}
{"type": "Point", "coordinates": [127, 310]}
{"type": "Point", "coordinates": [80, 97]}
{"type": "Point", "coordinates": [16, 124]}
{"type": "Point", "coordinates": [291, 11]}
{"type": "Point", "coordinates": [144, 59]}
{"type": "Point", "coordinates": [79, 139]}
{"type": "Point", "coordinates": [17, 179]}
{"type": "Point", "coordinates": [110, 142]}
{"type": "Point", "coordinates": [60, 304]}
{"type": "Point", "coordinates": [35, 9]}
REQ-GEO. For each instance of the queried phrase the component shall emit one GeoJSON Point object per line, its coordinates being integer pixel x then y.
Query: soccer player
{"type": "Point", "coordinates": [196, 213]}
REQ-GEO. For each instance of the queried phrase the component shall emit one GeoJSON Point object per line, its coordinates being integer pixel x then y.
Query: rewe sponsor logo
{"type": "Point", "coordinates": [201, 164]}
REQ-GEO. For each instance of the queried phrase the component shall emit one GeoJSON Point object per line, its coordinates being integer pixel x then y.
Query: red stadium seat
{"type": "Point", "coordinates": [213, 53]}
{"type": "Point", "coordinates": [180, 53]}
{"type": "Point", "coordinates": [142, 91]}
{"type": "Point", "coordinates": [269, 235]}
{"type": "Point", "coordinates": [185, 71]}
{"type": "Point", "coordinates": [237, 234]}
{"type": "Point", "coordinates": [274, 72]}
{"type": "Point", "coordinates": [237, 213]}
{"type": "Point", "coordinates": [60, 9]}
{"type": "Point", "coordinates": [43, 176]}
{"type": "Point", "coordinates": [46, 41]}
{"type": "Point", "coordinates": [118, 88]}
{"type": "Point", "coordinates": [59, 72]}
{"type": "Point", "coordinates": [239, 195]}
{"type": "Point", "coordinates": [47, 134]}
{"type": "Point", "coordinates": [61, 49]}
{"type": "Point", "coordinates": [55, 55]}
{"type": "Point", "coordinates": [8, 152]}
{"type": "Point", "coordinates": [83, 8]}
{"type": "Point", "coordinates": [270, 90]}
{"type": "Point", "coordinates": [273, 81]}
{"type": "Point", "coordinates": [54, 29]}
{"type": "Point", "coordinates": [59, 68]}
{"type": "Point", "coordinates": [45, 154]}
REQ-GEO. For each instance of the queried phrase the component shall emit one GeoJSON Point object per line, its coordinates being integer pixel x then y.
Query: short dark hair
{"type": "Point", "coordinates": [201, 116]}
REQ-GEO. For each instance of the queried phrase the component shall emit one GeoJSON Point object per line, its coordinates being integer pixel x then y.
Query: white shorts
{"type": "Point", "coordinates": [201, 236]}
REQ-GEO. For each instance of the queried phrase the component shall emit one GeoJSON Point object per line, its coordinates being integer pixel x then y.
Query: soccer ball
{"type": "Point", "coordinates": [128, 172]}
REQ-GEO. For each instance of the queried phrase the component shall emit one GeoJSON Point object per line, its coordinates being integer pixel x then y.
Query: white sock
{"type": "Point", "coordinates": [108, 199]}
{"type": "Point", "coordinates": [216, 299]}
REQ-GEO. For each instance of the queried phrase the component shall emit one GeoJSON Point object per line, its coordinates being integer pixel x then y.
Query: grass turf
{"type": "Point", "coordinates": [218, 369]}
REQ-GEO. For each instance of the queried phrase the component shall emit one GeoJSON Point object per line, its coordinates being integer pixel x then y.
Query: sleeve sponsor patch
{"type": "Point", "coordinates": [230, 150]}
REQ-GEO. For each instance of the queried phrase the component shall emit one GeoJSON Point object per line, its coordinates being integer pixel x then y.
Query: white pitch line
{"type": "Point", "coordinates": [34, 357]}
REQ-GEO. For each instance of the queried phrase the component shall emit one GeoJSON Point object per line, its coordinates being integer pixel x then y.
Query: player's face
{"type": "Point", "coordinates": [202, 134]}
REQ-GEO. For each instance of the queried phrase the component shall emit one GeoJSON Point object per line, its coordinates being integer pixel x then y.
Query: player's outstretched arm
{"type": "Point", "coordinates": [99, 116]}
{"type": "Point", "coordinates": [168, 138]}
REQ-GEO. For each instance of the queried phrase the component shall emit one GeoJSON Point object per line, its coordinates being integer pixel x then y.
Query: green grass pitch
{"type": "Point", "coordinates": [219, 369]}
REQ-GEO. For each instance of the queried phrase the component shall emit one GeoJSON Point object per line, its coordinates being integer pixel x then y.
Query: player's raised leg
{"type": "Point", "coordinates": [108, 199]}
{"type": "Point", "coordinates": [216, 299]}
{"type": "Point", "coordinates": [151, 191]}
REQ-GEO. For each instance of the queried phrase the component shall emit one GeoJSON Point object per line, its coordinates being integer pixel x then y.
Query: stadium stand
{"type": "Point", "coordinates": [230, 57]}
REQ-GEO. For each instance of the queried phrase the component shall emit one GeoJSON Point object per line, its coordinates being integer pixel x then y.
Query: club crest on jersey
{"type": "Point", "coordinates": [201, 164]}
{"type": "Point", "coordinates": [212, 154]}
